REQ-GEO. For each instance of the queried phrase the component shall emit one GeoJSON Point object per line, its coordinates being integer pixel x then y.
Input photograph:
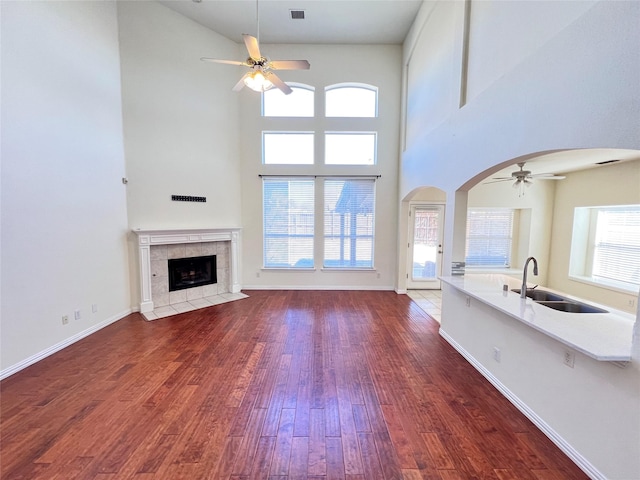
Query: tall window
{"type": "Point", "coordinates": [288, 209]}
{"type": "Point", "coordinates": [348, 223]}
{"type": "Point", "coordinates": [605, 247]}
{"type": "Point", "coordinates": [290, 150]}
{"type": "Point", "coordinates": [489, 237]}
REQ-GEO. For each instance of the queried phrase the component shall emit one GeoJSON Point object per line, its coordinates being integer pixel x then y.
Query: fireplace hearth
{"type": "Point", "coordinates": [191, 272]}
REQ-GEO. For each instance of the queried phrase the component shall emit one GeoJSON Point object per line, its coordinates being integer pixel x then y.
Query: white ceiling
{"type": "Point", "coordinates": [571, 160]}
{"type": "Point", "coordinates": [326, 21]}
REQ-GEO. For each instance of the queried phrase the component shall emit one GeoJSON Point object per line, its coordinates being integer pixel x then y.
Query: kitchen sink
{"type": "Point", "coordinates": [558, 302]}
{"type": "Point", "coordinates": [572, 307]}
{"type": "Point", "coordinates": [541, 295]}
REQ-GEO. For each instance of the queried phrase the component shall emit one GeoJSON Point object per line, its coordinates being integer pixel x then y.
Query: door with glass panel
{"type": "Point", "coordinates": [425, 246]}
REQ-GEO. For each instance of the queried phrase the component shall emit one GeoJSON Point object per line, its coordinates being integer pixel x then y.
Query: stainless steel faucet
{"type": "Point", "coordinates": [523, 290]}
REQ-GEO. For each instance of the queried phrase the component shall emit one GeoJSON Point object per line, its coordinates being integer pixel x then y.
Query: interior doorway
{"type": "Point", "coordinates": [425, 246]}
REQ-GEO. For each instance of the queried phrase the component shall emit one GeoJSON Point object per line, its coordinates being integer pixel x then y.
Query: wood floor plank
{"type": "Point", "coordinates": [317, 445]}
{"type": "Point", "coordinates": [298, 465]}
{"type": "Point", "coordinates": [284, 442]}
{"type": "Point", "coordinates": [334, 461]}
{"type": "Point", "coordinates": [313, 385]}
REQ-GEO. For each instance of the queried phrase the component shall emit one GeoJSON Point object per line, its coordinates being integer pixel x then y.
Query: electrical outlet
{"type": "Point", "coordinates": [632, 302]}
{"type": "Point", "coordinates": [468, 301]}
{"type": "Point", "coordinates": [94, 307]}
{"type": "Point", "coordinates": [569, 358]}
{"type": "Point", "coordinates": [77, 315]}
{"type": "Point", "coordinates": [378, 275]}
{"type": "Point", "coordinates": [65, 319]}
{"type": "Point", "coordinates": [257, 274]}
{"type": "Point", "coordinates": [496, 354]}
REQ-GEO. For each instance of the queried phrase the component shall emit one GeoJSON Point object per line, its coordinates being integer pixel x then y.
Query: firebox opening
{"type": "Point", "coordinates": [192, 272]}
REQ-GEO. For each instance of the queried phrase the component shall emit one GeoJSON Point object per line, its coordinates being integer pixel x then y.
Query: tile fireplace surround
{"type": "Point", "coordinates": [156, 246]}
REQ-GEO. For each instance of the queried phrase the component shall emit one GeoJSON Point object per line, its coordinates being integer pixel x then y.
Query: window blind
{"type": "Point", "coordinates": [489, 237]}
{"type": "Point", "coordinates": [348, 223]}
{"type": "Point", "coordinates": [617, 244]}
{"type": "Point", "coordinates": [288, 222]}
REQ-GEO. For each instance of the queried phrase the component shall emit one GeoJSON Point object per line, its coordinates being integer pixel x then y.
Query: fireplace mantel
{"type": "Point", "coordinates": [148, 238]}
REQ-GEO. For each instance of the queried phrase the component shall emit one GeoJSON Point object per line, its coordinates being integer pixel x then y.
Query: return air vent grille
{"type": "Point", "coordinates": [188, 198]}
{"type": "Point", "coordinates": [297, 14]}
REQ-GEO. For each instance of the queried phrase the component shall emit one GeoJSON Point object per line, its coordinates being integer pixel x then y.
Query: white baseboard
{"type": "Point", "coordinates": [59, 346]}
{"type": "Point", "coordinates": [560, 442]}
{"type": "Point", "coordinates": [386, 288]}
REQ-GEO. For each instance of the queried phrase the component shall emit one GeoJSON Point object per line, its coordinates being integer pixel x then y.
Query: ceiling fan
{"type": "Point", "coordinates": [524, 177]}
{"type": "Point", "coordinates": [260, 76]}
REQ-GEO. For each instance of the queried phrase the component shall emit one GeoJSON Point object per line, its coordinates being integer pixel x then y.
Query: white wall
{"type": "Point", "coordinates": [512, 31]}
{"type": "Point", "coordinates": [615, 184]}
{"type": "Point", "coordinates": [64, 218]}
{"type": "Point", "coordinates": [181, 123]}
{"type": "Point", "coordinates": [430, 75]}
{"type": "Point", "coordinates": [180, 120]}
{"type": "Point", "coordinates": [573, 87]}
{"type": "Point", "coordinates": [330, 64]}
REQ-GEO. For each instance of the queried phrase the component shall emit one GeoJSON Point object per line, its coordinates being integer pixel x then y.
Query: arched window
{"type": "Point", "coordinates": [351, 100]}
{"type": "Point", "coordinates": [298, 103]}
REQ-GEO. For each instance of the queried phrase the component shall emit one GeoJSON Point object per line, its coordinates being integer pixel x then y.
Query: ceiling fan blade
{"type": "Point", "coordinates": [240, 85]}
{"type": "Point", "coordinates": [227, 62]}
{"type": "Point", "coordinates": [289, 65]}
{"type": "Point", "coordinates": [252, 46]}
{"type": "Point", "coordinates": [547, 176]}
{"type": "Point", "coordinates": [273, 78]}
{"type": "Point", "coordinates": [498, 180]}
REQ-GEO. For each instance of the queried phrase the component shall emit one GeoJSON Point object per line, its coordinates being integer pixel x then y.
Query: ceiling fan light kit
{"type": "Point", "coordinates": [257, 82]}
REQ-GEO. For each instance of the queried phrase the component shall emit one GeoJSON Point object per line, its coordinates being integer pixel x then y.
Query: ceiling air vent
{"type": "Point", "coordinates": [607, 161]}
{"type": "Point", "coordinates": [297, 14]}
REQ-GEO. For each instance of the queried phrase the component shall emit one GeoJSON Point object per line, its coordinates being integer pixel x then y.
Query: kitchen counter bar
{"type": "Point", "coordinates": [602, 336]}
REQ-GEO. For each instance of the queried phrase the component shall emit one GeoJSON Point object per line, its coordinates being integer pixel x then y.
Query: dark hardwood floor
{"type": "Point", "coordinates": [281, 385]}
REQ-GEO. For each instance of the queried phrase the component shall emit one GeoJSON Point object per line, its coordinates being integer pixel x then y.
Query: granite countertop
{"type": "Point", "coordinates": [602, 336]}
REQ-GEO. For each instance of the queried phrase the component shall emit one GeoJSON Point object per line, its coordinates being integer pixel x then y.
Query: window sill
{"type": "Point", "coordinates": [287, 269]}
{"type": "Point", "coordinates": [347, 269]}
{"type": "Point", "coordinates": [609, 285]}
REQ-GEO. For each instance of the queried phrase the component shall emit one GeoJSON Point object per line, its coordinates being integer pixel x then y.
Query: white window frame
{"type": "Point", "coordinates": [363, 86]}
{"type": "Point", "coordinates": [289, 170]}
{"type": "Point", "coordinates": [351, 133]}
{"type": "Point", "coordinates": [489, 237]}
{"type": "Point", "coordinates": [275, 133]}
{"type": "Point", "coordinates": [352, 237]}
{"type": "Point", "coordinates": [296, 87]}
{"type": "Point", "coordinates": [584, 248]}
{"type": "Point", "coordinates": [266, 264]}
